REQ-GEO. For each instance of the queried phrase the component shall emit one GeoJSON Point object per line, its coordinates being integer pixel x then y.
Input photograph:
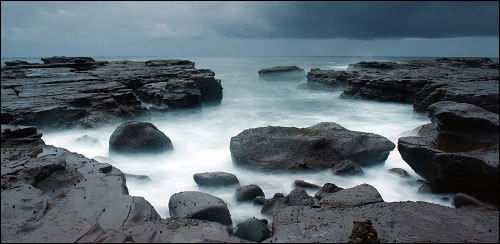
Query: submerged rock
{"type": "Point", "coordinates": [399, 172]}
{"type": "Point", "coordinates": [249, 193]}
{"type": "Point", "coordinates": [282, 73]}
{"type": "Point", "coordinates": [316, 147]}
{"type": "Point", "coordinates": [215, 179]}
{"type": "Point", "coordinates": [199, 205]}
{"type": "Point", "coordinates": [138, 137]}
{"type": "Point", "coordinates": [87, 140]}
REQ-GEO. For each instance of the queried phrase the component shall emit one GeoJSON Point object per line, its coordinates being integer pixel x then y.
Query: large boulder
{"type": "Point", "coordinates": [282, 73]}
{"type": "Point", "coordinates": [215, 179]}
{"type": "Point", "coordinates": [138, 137]}
{"type": "Point", "coordinates": [199, 205]}
{"type": "Point", "coordinates": [316, 147]}
{"type": "Point", "coordinates": [454, 163]}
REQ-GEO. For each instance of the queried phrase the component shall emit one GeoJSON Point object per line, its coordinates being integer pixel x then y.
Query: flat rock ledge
{"type": "Point", "coordinates": [49, 194]}
{"type": "Point", "coordinates": [79, 91]}
{"type": "Point", "coordinates": [317, 147]}
{"type": "Point", "coordinates": [282, 73]}
{"type": "Point", "coordinates": [332, 220]}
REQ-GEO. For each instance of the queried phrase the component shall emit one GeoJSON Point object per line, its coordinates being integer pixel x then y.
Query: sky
{"type": "Point", "coordinates": [34, 29]}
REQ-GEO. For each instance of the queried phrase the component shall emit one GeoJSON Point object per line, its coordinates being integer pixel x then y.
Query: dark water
{"type": "Point", "coordinates": [201, 139]}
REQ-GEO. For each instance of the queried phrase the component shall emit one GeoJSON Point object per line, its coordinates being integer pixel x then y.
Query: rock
{"type": "Point", "coordinates": [138, 137]}
{"type": "Point", "coordinates": [299, 197]}
{"type": "Point", "coordinates": [316, 147]}
{"type": "Point", "coordinates": [356, 196]}
{"type": "Point", "coordinates": [169, 62]}
{"type": "Point", "coordinates": [462, 200]}
{"type": "Point", "coordinates": [328, 79]}
{"type": "Point", "coordinates": [215, 179]}
{"type": "Point", "coordinates": [327, 189]}
{"type": "Point", "coordinates": [453, 163]}
{"type": "Point", "coordinates": [363, 232]}
{"type": "Point", "coordinates": [248, 193]}
{"type": "Point", "coordinates": [396, 222]}
{"type": "Point", "coordinates": [277, 202]}
{"type": "Point", "coordinates": [143, 178]}
{"type": "Point", "coordinates": [252, 229]}
{"type": "Point", "coordinates": [303, 184]}
{"type": "Point", "coordinates": [423, 82]}
{"type": "Point", "coordinates": [260, 200]}
{"type": "Point", "coordinates": [199, 205]}
{"type": "Point", "coordinates": [399, 172]}
{"type": "Point", "coordinates": [347, 167]}
{"type": "Point", "coordinates": [282, 73]}
{"type": "Point", "coordinates": [453, 117]}
{"type": "Point", "coordinates": [16, 63]}
{"type": "Point", "coordinates": [87, 140]}
{"type": "Point", "coordinates": [100, 92]}
{"type": "Point", "coordinates": [54, 195]}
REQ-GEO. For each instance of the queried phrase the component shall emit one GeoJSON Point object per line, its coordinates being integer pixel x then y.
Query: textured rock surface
{"type": "Point", "coordinates": [252, 229]}
{"type": "Point", "coordinates": [326, 189]}
{"type": "Point", "coordinates": [138, 137]}
{"type": "Point", "coordinates": [49, 194]}
{"type": "Point", "coordinates": [424, 82]}
{"type": "Point", "coordinates": [328, 79]}
{"type": "Point", "coordinates": [316, 147]}
{"type": "Point", "coordinates": [304, 184]}
{"type": "Point", "coordinates": [77, 91]}
{"type": "Point", "coordinates": [409, 222]}
{"type": "Point", "coordinates": [199, 205]}
{"type": "Point", "coordinates": [399, 172]}
{"type": "Point", "coordinates": [215, 179]}
{"type": "Point", "coordinates": [347, 167]}
{"type": "Point", "coordinates": [356, 196]}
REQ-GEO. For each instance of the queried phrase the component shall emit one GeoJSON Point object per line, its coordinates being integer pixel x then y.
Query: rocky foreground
{"type": "Point", "coordinates": [420, 82]}
{"type": "Point", "coordinates": [79, 91]}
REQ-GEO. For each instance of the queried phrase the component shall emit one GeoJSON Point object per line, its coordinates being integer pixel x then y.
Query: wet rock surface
{"type": "Point", "coordinates": [328, 79]}
{"type": "Point", "coordinates": [138, 137]}
{"type": "Point", "coordinates": [347, 167]}
{"type": "Point", "coordinates": [399, 172]}
{"type": "Point", "coordinates": [249, 193]}
{"type": "Point", "coordinates": [199, 205]}
{"type": "Point", "coordinates": [304, 184]}
{"type": "Point", "coordinates": [215, 179]}
{"type": "Point", "coordinates": [316, 147]}
{"type": "Point", "coordinates": [78, 91]}
{"type": "Point", "coordinates": [252, 229]}
{"type": "Point", "coordinates": [49, 194]}
{"type": "Point", "coordinates": [424, 82]}
{"type": "Point", "coordinates": [392, 221]}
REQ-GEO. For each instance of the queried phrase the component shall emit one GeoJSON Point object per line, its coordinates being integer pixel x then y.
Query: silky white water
{"type": "Point", "coordinates": [201, 137]}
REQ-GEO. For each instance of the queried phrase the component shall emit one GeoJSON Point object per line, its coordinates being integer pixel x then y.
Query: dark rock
{"type": "Point", "coordinates": [400, 172]}
{"type": "Point", "coordinates": [252, 229]}
{"type": "Point", "coordinates": [199, 205]}
{"type": "Point", "coordinates": [138, 137]}
{"type": "Point", "coordinates": [426, 188]}
{"type": "Point", "coordinates": [462, 200]}
{"type": "Point", "coordinates": [465, 118]}
{"type": "Point", "coordinates": [395, 222]}
{"type": "Point", "coordinates": [215, 179]}
{"type": "Point", "coordinates": [328, 79]}
{"type": "Point", "coordinates": [351, 197]}
{"type": "Point", "coordinates": [87, 140]}
{"type": "Point", "coordinates": [169, 62]}
{"type": "Point", "coordinates": [299, 197]}
{"type": "Point", "coordinates": [277, 202]}
{"type": "Point", "coordinates": [54, 195]}
{"type": "Point", "coordinates": [16, 63]}
{"type": "Point", "coordinates": [143, 178]}
{"type": "Point", "coordinates": [363, 232]}
{"type": "Point", "coordinates": [248, 193]}
{"type": "Point", "coordinates": [301, 183]}
{"type": "Point", "coordinates": [282, 73]}
{"type": "Point", "coordinates": [100, 92]}
{"type": "Point", "coordinates": [452, 163]}
{"type": "Point", "coordinates": [347, 167]}
{"type": "Point", "coordinates": [423, 82]}
{"type": "Point", "coordinates": [316, 147]}
{"type": "Point", "coordinates": [260, 200]}
{"type": "Point", "coordinates": [326, 189]}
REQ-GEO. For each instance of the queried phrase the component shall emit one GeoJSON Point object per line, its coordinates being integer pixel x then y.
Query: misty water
{"type": "Point", "coordinates": [201, 137]}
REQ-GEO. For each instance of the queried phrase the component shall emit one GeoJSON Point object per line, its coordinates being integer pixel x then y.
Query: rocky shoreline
{"type": "Point", "coordinates": [50, 194]}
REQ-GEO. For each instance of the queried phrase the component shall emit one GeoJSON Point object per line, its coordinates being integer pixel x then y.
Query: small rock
{"type": "Point", "coordinates": [326, 189]}
{"type": "Point", "coordinates": [199, 205]}
{"type": "Point", "coordinates": [260, 200]}
{"type": "Point", "coordinates": [88, 140]}
{"type": "Point", "coordinates": [347, 167]}
{"type": "Point", "coordinates": [248, 193]}
{"type": "Point", "coordinates": [400, 172]}
{"type": "Point", "coordinates": [138, 137]}
{"type": "Point", "coordinates": [215, 179]}
{"type": "Point", "coordinates": [301, 183]}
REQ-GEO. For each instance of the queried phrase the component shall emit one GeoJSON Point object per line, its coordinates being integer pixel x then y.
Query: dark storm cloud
{"type": "Point", "coordinates": [374, 20]}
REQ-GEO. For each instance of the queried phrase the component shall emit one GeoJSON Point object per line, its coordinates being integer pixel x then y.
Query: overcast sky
{"type": "Point", "coordinates": [249, 28]}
